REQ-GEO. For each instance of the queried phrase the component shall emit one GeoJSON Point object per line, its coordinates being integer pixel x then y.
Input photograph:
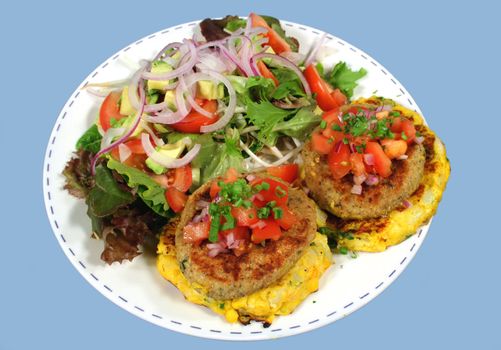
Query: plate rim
{"type": "Point", "coordinates": [173, 325]}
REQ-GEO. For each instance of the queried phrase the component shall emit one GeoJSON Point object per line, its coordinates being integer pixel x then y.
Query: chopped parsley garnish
{"type": "Point", "coordinates": [263, 213]}
{"type": "Point", "coordinates": [278, 213]}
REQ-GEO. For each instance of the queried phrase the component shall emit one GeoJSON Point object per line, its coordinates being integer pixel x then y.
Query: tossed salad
{"type": "Point", "coordinates": [238, 95]}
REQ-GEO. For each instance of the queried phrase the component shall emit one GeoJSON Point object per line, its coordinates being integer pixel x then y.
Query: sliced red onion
{"type": "Point", "coordinates": [133, 87]}
{"type": "Point", "coordinates": [174, 45]}
{"type": "Point", "coordinates": [260, 224]}
{"type": "Point", "coordinates": [286, 63]}
{"type": "Point", "coordinates": [124, 152]}
{"type": "Point", "coordinates": [419, 140]}
{"type": "Point", "coordinates": [295, 57]}
{"type": "Point", "coordinates": [158, 141]}
{"type": "Point", "coordinates": [312, 56]}
{"type": "Point", "coordinates": [233, 59]}
{"type": "Point", "coordinates": [230, 239]}
{"type": "Point", "coordinates": [250, 177]}
{"type": "Point", "coordinates": [356, 189]}
{"type": "Point", "coordinates": [228, 114]}
{"type": "Point", "coordinates": [369, 159]}
{"type": "Point", "coordinates": [407, 204]}
{"type": "Point", "coordinates": [210, 61]}
{"type": "Point", "coordinates": [372, 180]}
{"type": "Point", "coordinates": [216, 249]}
{"type": "Point", "coordinates": [109, 135]}
{"type": "Point", "coordinates": [182, 69]}
{"type": "Point", "coordinates": [338, 147]}
{"type": "Point", "coordinates": [180, 102]}
{"type": "Point", "coordinates": [142, 99]}
{"type": "Point", "coordinates": [403, 157]}
{"type": "Point", "coordinates": [155, 107]}
{"type": "Point", "coordinates": [166, 161]}
{"type": "Point", "coordinates": [246, 56]}
{"type": "Point", "coordinates": [201, 204]}
{"type": "Point", "coordinates": [200, 217]}
{"type": "Point", "coordinates": [358, 180]}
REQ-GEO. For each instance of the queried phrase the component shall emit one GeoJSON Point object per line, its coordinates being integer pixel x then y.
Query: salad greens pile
{"type": "Point", "coordinates": [127, 202]}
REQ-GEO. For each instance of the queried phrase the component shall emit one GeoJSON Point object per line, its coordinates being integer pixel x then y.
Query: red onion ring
{"type": "Point", "coordinates": [228, 114]}
{"type": "Point", "coordinates": [182, 69]}
{"type": "Point", "coordinates": [124, 152]}
{"type": "Point", "coordinates": [314, 50]}
{"type": "Point", "coordinates": [164, 161]}
{"type": "Point", "coordinates": [142, 98]}
{"type": "Point", "coordinates": [285, 62]}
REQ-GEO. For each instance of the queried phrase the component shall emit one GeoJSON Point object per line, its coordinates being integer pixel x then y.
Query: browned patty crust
{"type": "Point", "coordinates": [227, 276]}
{"type": "Point", "coordinates": [335, 195]}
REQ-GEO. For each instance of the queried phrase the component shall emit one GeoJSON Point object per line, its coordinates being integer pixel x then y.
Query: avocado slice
{"type": "Point", "coordinates": [209, 91]}
{"type": "Point", "coordinates": [170, 150]}
{"type": "Point", "coordinates": [159, 67]}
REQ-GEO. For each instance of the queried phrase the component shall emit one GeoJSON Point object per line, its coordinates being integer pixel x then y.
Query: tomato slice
{"type": "Point", "coordinates": [183, 178]}
{"type": "Point", "coordinates": [135, 146]}
{"type": "Point", "coordinates": [110, 110]}
{"type": "Point", "coordinates": [357, 164]}
{"type": "Point", "coordinates": [271, 230]}
{"type": "Point", "coordinates": [403, 125]}
{"type": "Point", "coordinates": [288, 218]}
{"type": "Point", "coordinates": [327, 98]}
{"type": "Point", "coordinates": [276, 42]}
{"type": "Point", "coordinates": [382, 163]}
{"type": "Point", "coordinates": [239, 232]}
{"type": "Point", "coordinates": [194, 120]}
{"type": "Point", "coordinates": [276, 191]}
{"type": "Point", "coordinates": [176, 199]}
{"type": "Point", "coordinates": [245, 216]}
{"type": "Point", "coordinates": [195, 233]}
{"type": "Point", "coordinates": [230, 176]}
{"type": "Point", "coordinates": [265, 72]}
{"type": "Point", "coordinates": [339, 160]}
{"type": "Point", "coordinates": [286, 172]}
{"type": "Point", "coordinates": [321, 144]}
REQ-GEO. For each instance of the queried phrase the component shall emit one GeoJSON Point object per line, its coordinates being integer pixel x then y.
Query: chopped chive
{"type": "Point", "coordinates": [343, 250]}
{"type": "Point", "coordinates": [404, 136]}
{"type": "Point", "coordinates": [278, 213]}
{"type": "Point", "coordinates": [271, 204]}
{"type": "Point", "coordinates": [323, 124]}
{"type": "Point", "coordinates": [265, 186]}
{"type": "Point", "coordinates": [280, 192]}
{"type": "Point", "coordinates": [335, 127]}
{"type": "Point", "coordinates": [345, 141]}
{"type": "Point", "coordinates": [395, 114]}
{"type": "Point", "coordinates": [263, 213]}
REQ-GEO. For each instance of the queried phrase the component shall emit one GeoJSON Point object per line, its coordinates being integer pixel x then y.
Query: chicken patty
{"type": "Point", "coordinates": [227, 276]}
{"type": "Point", "coordinates": [335, 195]}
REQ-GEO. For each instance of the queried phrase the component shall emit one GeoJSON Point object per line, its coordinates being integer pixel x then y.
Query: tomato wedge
{"type": "Point", "coordinates": [276, 42]}
{"type": "Point", "coordinates": [403, 125]}
{"type": "Point", "coordinates": [195, 233]}
{"type": "Point", "coordinates": [321, 144]}
{"type": "Point", "coordinates": [183, 178]}
{"type": "Point", "coordinates": [265, 72]}
{"type": "Point", "coordinates": [288, 218]}
{"type": "Point", "coordinates": [271, 230]}
{"type": "Point", "coordinates": [382, 163]}
{"type": "Point", "coordinates": [339, 160]}
{"type": "Point", "coordinates": [327, 98]}
{"type": "Point", "coordinates": [230, 176]}
{"type": "Point", "coordinates": [194, 120]}
{"type": "Point", "coordinates": [274, 191]}
{"type": "Point", "coordinates": [286, 172]}
{"type": "Point", "coordinates": [176, 199]}
{"type": "Point", "coordinates": [245, 216]}
{"type": "Point", "coordinates": [110, 110]}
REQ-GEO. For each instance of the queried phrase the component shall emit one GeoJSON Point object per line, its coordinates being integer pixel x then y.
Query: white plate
{"type": "Point", "coordinates": [137, 287]}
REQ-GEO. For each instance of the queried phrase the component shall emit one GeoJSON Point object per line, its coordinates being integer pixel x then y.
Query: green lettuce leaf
{"type": "Point", "coordinates": [235, 24]}
{"type": "Point", "coordinates": [343, 78]}
{"type": "Point", "coordinates": [106, 196]}
{"type": "Point", "coordinates": [274, 23]}
{"type": "Point", "coordinates": [266, 116]}
{"type": "Point", "coordinates": [152, 194]}
{"type": "Point", "coordinates": [225, 155]}
{"type": "Point", "coordinates": [301, 125]}
{"type": "Point", "coordinates": [90, 140]}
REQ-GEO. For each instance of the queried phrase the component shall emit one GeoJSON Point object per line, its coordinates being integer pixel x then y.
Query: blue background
{"type": "Point", "coordinates": [447, 56]}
